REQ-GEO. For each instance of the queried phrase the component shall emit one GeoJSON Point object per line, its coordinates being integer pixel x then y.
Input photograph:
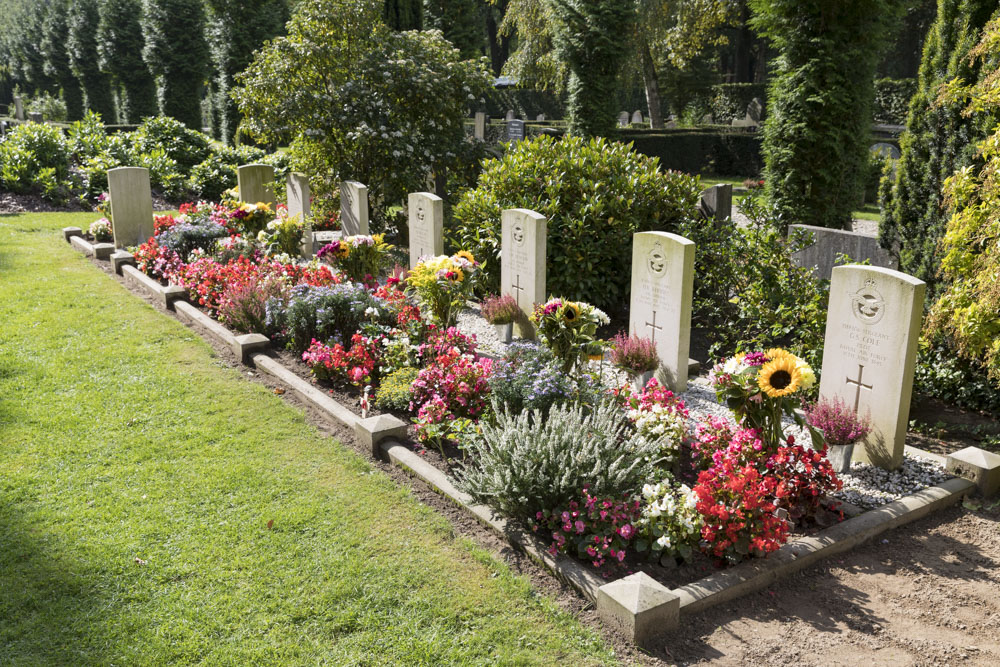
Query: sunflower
{"type": "Point", "coordinates": [779, 377]}
{"type": "Point", "coordinates": [571, 312]}
{"type": "Point", "coordinates": [776, 353]}
{"type": "Point", "coordinates": [459, 275]}
{"type": "Point", "coordinates": [465, 254]}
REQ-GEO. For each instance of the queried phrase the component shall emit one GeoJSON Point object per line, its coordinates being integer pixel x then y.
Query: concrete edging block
{"type": "Point", "coordinates": [168, 295]}
{"type": "Point", "coordinates": [249, 344]}
{"type": "Point", "coordinates": [373, 430]}
{"type": "Point", "coordinates": [82, 244]}
{"type": "Point", "coordinates": [979, 466]}
{"type": "Point", "coordinates": [120, 258]}
{"type": "Point", "coordinates": [103, 250]}
{"type": "Point", "coordinates": [191, 314]}
{"type": "Point", "coordinates": [70, 232]}
{"type": "Point", "coordinates": [640, 606]}
{"type": "Point", "coordinates": [306, 391]}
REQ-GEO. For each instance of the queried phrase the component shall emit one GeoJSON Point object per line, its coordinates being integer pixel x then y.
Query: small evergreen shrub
{"type": "Point", "coordinates": [394, 392]}
{"type": "Point", "coordinates": [327, 314]}
{"type": "Point", "coordinates": [27, 150]}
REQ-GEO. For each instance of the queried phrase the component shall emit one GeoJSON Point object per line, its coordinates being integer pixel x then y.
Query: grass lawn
{"type": "Point", "coordinates": [138, 475]}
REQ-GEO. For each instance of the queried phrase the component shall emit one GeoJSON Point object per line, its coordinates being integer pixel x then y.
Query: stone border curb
{"type": "Point", "coordinates": [309, 393]}
{"type": "Point", "coordinates": [242, 346]}
{"type": "Point", "coordinates": [81, 244]}
{"type": "Point", "coordinates": [70, 232]}
{"type": "Point", "coordinates": [168, 295]}
{"type": "Point", "coordinates": [103, 251]}
{"type": "Point", "coordinates": [373, 430]}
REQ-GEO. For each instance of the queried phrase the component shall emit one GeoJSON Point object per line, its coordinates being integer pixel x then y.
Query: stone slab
{"type": "Point", "coordinates": [131, 206]}
{"type": "Point", "coordinates": [304, 390]}
{"type": "Point", "coordinates": [821, 256]}
{"type": "Point", "coordinates": [169, 296]}
{"type": "Point", "coordinates": [192, 315]}
{"type": "Point", "coordinates": [640, 606]}
{"type": "Point", "coordinates": [354, 208]}
{"type": "Point", "coordinates": [103, 250]}
{"type": "Point", "coordinates": [120, 258]}
{"type": "Point", "coordinates": [256, 183]}
{"type": "Point", "coordinates": [716, 202]}
{"type": "Point", "coordinates": [425, 213]}
{"type": "Point", "coordinates": [70, 232]}
{"type": "Point", "coordinates": [18, 108]}
{"type": "Point", "coordinates": [872, 329]}
{"type": "Point", "coordinates": [479, 130]}
{"type": "Point", "coordinates": [660, 303]}
{"type": "Point", "coordinates": [373, 430]}
{"type": "Point", "coordinates": [979, 466]}
{"type": "Point", "coordinates": [299, 197]}
{"type": "Point", "coordinates": [82, 244]}
{"type": "Point", "coordinates": [523, 261]}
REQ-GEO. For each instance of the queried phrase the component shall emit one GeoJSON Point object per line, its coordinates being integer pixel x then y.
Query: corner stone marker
{"type": "Point", "coordinates": [872, 328]}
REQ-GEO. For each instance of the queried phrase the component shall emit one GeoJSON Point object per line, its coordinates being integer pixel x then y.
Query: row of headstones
{"type": "Point", "coordinates": [752, 118]}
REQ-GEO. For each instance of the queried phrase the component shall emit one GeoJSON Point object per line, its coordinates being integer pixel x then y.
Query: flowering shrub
{"type": "Point", "coordinates": [157, 262]}
{"type": "Point", "coordinates": [658, 415]}
{"type": "Point", "coordinates": [447, 341]}
{"type": "Point", "coordinates": [500, 309]}
{"type": "Point", "coordinates": [598, 530]}
{"type": "Point", "coordinates": [243, 304]}
{"type": "Point", "coordinates": [283, 235]}
{"type": "Point", "coordinates": [101, 230]}
{"type": "Point", "coordinates": [716, 438]}
{"type": "Point", "coordinates": [838, 423]}
{"type": "Point", "coordinates": [669, 523]}
{"type": "Point", "coordinates": [394, 391]}
{"type": "Point", "coordinates": [634, 354]}
{"type": "Point", "coordinates": [329, 314]}
{"type": "Point", "coordinates": [162, 223]}
{"type": "Point", "coordinates": [358, 364]}
{"type": "Point", "coordinates": [442, 285]}
{"type": "Point", "coordinates": [805, 476]}
{"type": "Point", "coordinates": [529, 377]}
{"type": "Point", "coordinates": [569, 329]}
{"type": "Point", "coordinates": [362, 258]}
{"type": "Point", "coordinates": [190, 233]}
{"type": "Point", "coordinates": [249, 219]}
{"type": "Point", "coordinates": [760, 387]}
{"type": "Point", "coordinates": [452, 387]}
{"type": "Point", "coordinates": [206, 280]}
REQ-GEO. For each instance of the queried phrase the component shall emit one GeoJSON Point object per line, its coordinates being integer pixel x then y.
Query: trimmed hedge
{"type": "Point", "coordinates": [892, 99]}
{"type": "Point", "coordinates": [700, 150]}
{"type": "Point", "coordinates": [730, 100]}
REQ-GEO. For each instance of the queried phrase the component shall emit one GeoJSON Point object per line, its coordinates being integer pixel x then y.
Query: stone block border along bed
{"type": "Point", "coordinates": [636, 604]}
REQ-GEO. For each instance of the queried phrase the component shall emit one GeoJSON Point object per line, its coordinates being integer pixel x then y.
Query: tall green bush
{"type": "Point", "coordinates": [176, 54]}
{"type": "Point", "coordinates": [119, 45]}
{"type": "Point", "coordinates": [819, 106]}
{"type": "Point", "coordinates": [57, 63]}
{"type": "Point", "coordinates": [939, 139]}
{"type": "Point", "coordinates": [892, 99]}
{"type": "Point", "coordinates": [81, 44]}
{"type": "Point", "coordinates": [595, 193]}
{"type": "Point", "coordinates": [31, 151]}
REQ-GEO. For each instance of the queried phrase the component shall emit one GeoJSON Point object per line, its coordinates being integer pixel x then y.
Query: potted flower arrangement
{"type": "Point", "coordinates": [283, 235]}
{"type": "Point", "coordinates": [569, 330]}
{"type": "Point", "coordinates": [841, 428]}
{"type": "Point", "coordinates": [636, 356]}
{"type": "Point", "coordinates": [501, 311]}
{"type": "Point", "coordinates": [101, 230]}
{"type": "Point", "coordinates": [443, 284]}
{"type": "Point", "coordinates": [761, 387]}
{"type": "Point", "coordinates": [362, 258]}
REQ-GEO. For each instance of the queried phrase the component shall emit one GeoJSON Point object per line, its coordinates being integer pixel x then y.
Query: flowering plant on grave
{"type": "Point", "coordinates": [658, 415]}
{"type": "Point", "coordinates": [715, 438]}
{"type": "Point", "coordinates": [249, 219]}
{"type": "Point", "coordinates": [528, 377]}
{"type": "Point", "coordinates": [357, 364]}
{"type": "Point", "coordinates": [101, 230]}
{"type": "Point", "coordinates": [442, 285]}
{"type": "Point", "coordinates": [669, 524]}
{"type": "Point", "coordinates": [158, 262]}
{"type": "Point", "coordinates": [838, 424]}
{"type": "Point", "coordinates": [104, 205]}
{"type": "Point", "coordinates": [362, 258]}
{"type": "Point", "coordinates": [804, 476]}
{"type": "Point", "coordinates": [569, 330]}
{"type": "Point", "coordinates": [761, 387]}
{"type": "Point", "coordinates": [598, 530]}
{"type": "Point", "coordinates": [634, 354]}
{"type": "Point", "coordinates": [450, 394]}
{"type": "Point", "coordinates": [283, 235]}
{"type": "Point", "coordinates": [502, 309]}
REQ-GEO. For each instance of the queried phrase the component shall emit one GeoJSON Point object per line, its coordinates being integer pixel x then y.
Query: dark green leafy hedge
{"type": "Point", "coordinates": [700, 151]}
{"type": "Point", "coordinates": [892, 99]}
{"type": "Point", "coordinates": [730, 100]}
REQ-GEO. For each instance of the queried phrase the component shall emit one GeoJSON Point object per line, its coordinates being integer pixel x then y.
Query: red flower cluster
{"type": "Point", "coordinates": [156, 261]}
{"type": "Point", "coordinates": [357, 364]}
{"type": "Point", "coordinates": [805, 476]}
{"type": "Point", "coordinates": [162, 223]}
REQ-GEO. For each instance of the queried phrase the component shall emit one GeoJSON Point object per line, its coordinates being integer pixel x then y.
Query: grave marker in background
{"type": "Point", "coordinates": [131, 205]}
{"type": "Point", "coordinates": [717, 202]}
{"type": "Point", "coordinates": [353, 208]}
{"type": "Point", "coordinates": [660, 304]}
{"type": "Point", "coordinates": [298, 194]}
{"type": "Point", "coordinates": [480, 127]}
{"type": "Point", "coordinates": [872, 328]}
{"type": "Point", "coordinates": [821, 255]}
{"type": "Point", "coordinates": [623, 119]}
{"type": "Point", "coordinates": [522, 261]}
{"type": "Point", "coordinates": [18, 108]}
{"type": "Point", "coordinates": [515, 130]}
{"type": "Point", "coordinates": [637, 117]}
{"type": "Point", "coordinates": [256, 183]}
{"type": "Point", "coordinates": [426, 217]}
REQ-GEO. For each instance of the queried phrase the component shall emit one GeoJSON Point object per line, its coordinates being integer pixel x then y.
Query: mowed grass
{"type": "Point", "coordinates": [138, 475]}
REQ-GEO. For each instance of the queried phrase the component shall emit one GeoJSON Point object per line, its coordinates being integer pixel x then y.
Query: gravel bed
{"type": "Point", "coordinates": [869, 486]}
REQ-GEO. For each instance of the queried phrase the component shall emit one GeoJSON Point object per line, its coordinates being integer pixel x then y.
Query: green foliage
{"type": "Point", "coordinates": [388, 99]}
{"type": "Point", "coordinates": [119, 45]}
{"type": "Point", "coordinates": [176, 53]}
{"type": "Point", "coordinates": [403, 14]}
{"type": "Point", "coordinates": [525, 463]}
{"type": "Point", "coordinates": [588, 36]}
{"type": "Point", "coordinates": [51, 108]}
{"type": "Point", "coordinates": [87, 138]}
{"type": "Point", "coordinates": [892, 99]}
{"type": "Point", "coordinates": [52, 47]}
{"type": "Point", "coordinates": [212, 177]}
{"type": "Point", "coordinates": [526, 103]}
{"type": "Point", "coordinates": [947, 376]}
{"type": "Point", "coordinates": [81, 45]}
{"type": "Point", "coordinates": [185, 146]}
{"type": "Point", "coordinates": [460, 21]}
{"type": "Point", "coordinates": [699, 151]}
{"type": "Point", "coordinates": [819, 106]}
{"type": "Point", "coordinates": [29, 149]}
{"type": "Point", "coordinates": [730, 100]}
{"type": "Point", "coordinates": [393, 392]}
{"type": "Point", "coordinates": [939, 139]}
{"type": "Point", "coordinates": [595, 194]}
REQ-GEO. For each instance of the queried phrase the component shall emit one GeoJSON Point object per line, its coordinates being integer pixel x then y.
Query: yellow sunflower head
{"type": "Point", "coordinates": [776, 353]}
{"type": "Point", "coordinates": [459, 275]}
{"type": "Point", "coordinates": [779, 377]}
{"type": "Point", "coordinates": [571, 312]}
{"type": "Point", "coordinates": [465, 254]}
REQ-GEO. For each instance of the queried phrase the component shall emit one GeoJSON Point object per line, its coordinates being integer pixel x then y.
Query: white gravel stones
{"type": "Point", "coordinates": [869, 486]}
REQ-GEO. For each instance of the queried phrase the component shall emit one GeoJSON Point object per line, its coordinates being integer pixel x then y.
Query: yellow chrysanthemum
{"type": "Point", "coordinates": [465, 254]}
{"type": "Point", "coordinates": [806, 373]}
{"type": "Point", "coordinates": [779, 377]}
{"type": "Point", "coordinates": [571, 312]}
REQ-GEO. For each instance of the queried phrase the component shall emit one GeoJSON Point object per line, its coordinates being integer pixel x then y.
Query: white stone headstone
{"type": "Point", "coordinates": [510, 115]}
{"type": "Point", "coordinates": [35, 117]}
{"type": "Point", "coordinates": [870, 349]}
{"type": "Point", "coordinates": [660, 304]}
{"type": "Point", "coordinates": [131, 205]}
{"type": "Point", "coordinates": [298, 195]}
{"type": "Point", "coordinates": [523, 244]}
{"type": "Point", "coordinates": [256, 183]}
{"type": "Point", "coordinates": [623, 119]}
{"type": "Point", "coordinates": [18, 108]}
{"type": "Point", "coordinates": [480, 129]}
{"type": "Point", "coordinates": [353, 208]}
{"type": "Point", "coordinates": [637, 117]}
{"type": "Point", "coordinates": [540, 117]}
{"type": "Point", "coordinates": [425, 212]}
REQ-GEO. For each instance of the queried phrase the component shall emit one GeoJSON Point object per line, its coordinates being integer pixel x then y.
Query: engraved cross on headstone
{"type": "Point", "coordinates": [653, 327]}
{"type": "Point", "coordinates": [859, 386]}
{"type": "Point", "coordinates": [517, 285]}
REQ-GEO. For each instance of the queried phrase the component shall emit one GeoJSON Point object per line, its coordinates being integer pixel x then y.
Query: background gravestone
{"type": "Point", "coordinates": [522, 261]}
{"type": "Point", "coordinates": [34, 117]}
{"type": "Point", "coordinates": [131, 205]}
{"type": "Point", "coordinates": [256, 183]}
{"type": "Point", "coordinates": [480, 128]}
{"type": "Point", "coordinates": [716, 202]}
{"type": "Point", "coordinates": [660, 304]}
{"type": "Point", "coordinates": [623, 119]}
{"type": "Point", "coordinates": [870, 349]}
{"type": "Point", "coordinates": [755, 110]}
{"type": "Point", "coordinates": [298, 194]}
{"type": "Point", "coordinates": [18, 108]}
{"type": "Point", "coordinates": [515, 130]}
{"type": "Point", "coordinates": [353, 208]}
{"type": "Point", "coordinates": [425, 212]}
{"type": "Point", "coordinates": [821, 254]}
{"type": "Point", "coordinates": [637, 118]}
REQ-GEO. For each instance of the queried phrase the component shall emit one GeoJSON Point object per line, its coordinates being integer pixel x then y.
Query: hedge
{"type": "Point", "coordinates": [730, 100]}
{"type": "Point", "coordinates": [700, 150]}
{"type": "Point", "coordinates": [892, 99]}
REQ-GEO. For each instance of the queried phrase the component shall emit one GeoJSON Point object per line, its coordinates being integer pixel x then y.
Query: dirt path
{"type": "Point", "coordinates": [924, 594]}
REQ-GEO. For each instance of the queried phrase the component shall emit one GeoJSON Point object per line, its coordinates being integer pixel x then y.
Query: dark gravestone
{"type": "Point", "coordinates": [515, 130]}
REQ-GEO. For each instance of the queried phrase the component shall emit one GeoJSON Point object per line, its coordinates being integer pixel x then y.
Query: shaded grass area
{"type": "Point", "coordinates": [138, 475]}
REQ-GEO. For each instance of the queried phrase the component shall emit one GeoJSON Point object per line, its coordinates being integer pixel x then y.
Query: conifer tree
{"type": "Point", "coordinates": [81, 44]}
{"type": "Point", "coordinates": [176, 53]}
{"type": "Point", "coordinates": [119, 45]}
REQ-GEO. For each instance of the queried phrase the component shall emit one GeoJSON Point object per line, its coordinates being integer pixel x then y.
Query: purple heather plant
{"type": "Point", "coordinates": [838, 422]}
{"type": "Point", "coordinates": [634, 354]}
{"type": "Point", "coordinates": [500, 309]}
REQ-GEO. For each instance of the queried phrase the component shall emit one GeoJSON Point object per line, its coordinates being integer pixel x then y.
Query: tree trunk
{"type": "Point", "coordinates": [652, 87]}
{"type": "Point", "coordinates": [499, 45]}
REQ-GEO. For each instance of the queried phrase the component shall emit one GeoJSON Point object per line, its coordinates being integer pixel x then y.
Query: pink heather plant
{"type": "Point", "coordinates": [839, 423]}
{"type": "Point", "coordinates": [500, 309]}
{"type": "Point", "coordinates": [634, 354]}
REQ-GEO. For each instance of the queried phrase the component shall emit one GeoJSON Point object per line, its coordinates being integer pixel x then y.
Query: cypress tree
{"type": "Point", "coordinates": [81, 44]}
{"type": "Point", "coordinates": [461, 21]}
{"type": "Point", "coordinates": [176, 54]}
{"type": "Point", "coordinates": [57, 66]}
{"type": "Point", "coordinates": [404, 14]}
{"type": "Point", "coordinates": [816, 136]}
{"type": "Point", "coordinates": [119, 45]}
{"type": "Point", "coordinates": [939, 139]}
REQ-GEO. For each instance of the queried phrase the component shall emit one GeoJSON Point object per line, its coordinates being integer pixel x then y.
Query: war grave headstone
{"type": "Point", "coordinates": [821, 254]}
{"type": "Point", "coordinates": [256, 183]}
{"type": "Point", "coordinates": [131, 205]}
{"type": "Point", "coordinates": [18, 108]}
{"type": "Point", "coordinates": [873, 324]}
{"type": "Point", "coordinates": [298, 193]}
{"type": "Point", "coordinates": [660, 304]}
{"type": "Point", "coordinates": [522, 262]}
{"type": "Point", "coordinates": [425, 212]}
{"type": "Point", "coordinates": [353, 208]}
{"type": "Point", "coordinates": [637, 118]}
